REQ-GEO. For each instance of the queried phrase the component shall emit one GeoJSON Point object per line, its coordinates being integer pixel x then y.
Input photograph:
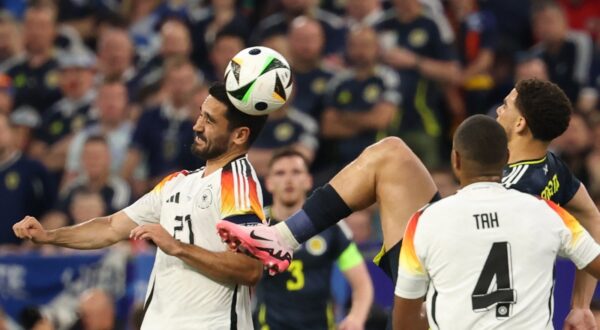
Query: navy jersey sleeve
{"type": "Point", "coordinates": [441, 50]}
{"type": "Point", "coordinates": [139, 139]}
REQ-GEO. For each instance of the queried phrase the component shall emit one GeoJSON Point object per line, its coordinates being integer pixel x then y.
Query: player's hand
{"type": "Point", "coordinates": [580, 319]}
{"type": "Point", "coordinates": [31, 229]}
{"type": "Point", "coordinates": [351, 323]}
{"type": "Point", "coordinates": [159, 236]}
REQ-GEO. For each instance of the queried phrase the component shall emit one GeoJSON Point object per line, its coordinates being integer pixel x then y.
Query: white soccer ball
{"type": "Point", "coordinates": [258, 80]}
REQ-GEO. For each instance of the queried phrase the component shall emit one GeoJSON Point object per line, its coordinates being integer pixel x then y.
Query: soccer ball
{"type": "Point", "coordinates": [258, 81]}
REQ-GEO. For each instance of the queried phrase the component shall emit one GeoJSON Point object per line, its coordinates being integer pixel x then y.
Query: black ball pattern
{"type": "Point", "coordinates": [260, 106]}
{"type": "Point", "coordinates": [254, 51]}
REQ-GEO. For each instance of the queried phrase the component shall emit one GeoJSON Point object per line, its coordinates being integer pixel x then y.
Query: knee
{"type": "Point", "coordinates": [389, 149]}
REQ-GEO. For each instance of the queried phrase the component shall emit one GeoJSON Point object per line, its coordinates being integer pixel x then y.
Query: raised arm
{"type": "Point", "coordinates": [92, 234]}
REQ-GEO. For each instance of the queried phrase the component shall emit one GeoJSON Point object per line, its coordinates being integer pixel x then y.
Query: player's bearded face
{"type": "Point", "coordinates": [209, 148]}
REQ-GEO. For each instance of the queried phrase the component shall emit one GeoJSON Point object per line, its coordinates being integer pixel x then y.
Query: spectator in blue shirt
{"type": "Point", "coordinates": [361, 101]}
{"type": "Point", "coordinates": [163, 136]}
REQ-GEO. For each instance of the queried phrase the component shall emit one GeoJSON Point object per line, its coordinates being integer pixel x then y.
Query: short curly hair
{"type": "Point", "coordinates": [545, 107]}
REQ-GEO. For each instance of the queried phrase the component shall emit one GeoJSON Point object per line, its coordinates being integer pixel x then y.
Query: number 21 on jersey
{"type": "Point", "coordinates": [488, 294]}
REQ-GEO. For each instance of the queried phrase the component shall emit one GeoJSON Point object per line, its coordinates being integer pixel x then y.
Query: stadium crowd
{"type": "Point", "coordinates": [98, 98]}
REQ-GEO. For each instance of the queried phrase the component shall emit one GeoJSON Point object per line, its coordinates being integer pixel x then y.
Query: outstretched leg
{"type": "Point", "coordinates": [387, 172]}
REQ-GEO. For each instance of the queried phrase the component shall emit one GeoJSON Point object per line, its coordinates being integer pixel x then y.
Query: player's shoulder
{"type": "Point", "coordinates": [173, 179]}
{"type": "Point", "coordinates": [240, 166]}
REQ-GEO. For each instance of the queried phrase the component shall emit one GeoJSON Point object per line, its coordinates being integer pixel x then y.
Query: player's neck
{"type": "Point", "coordinates": [521, 149]}
{"type": "Point", "coordinates": [216, 163]}
{"type": "Point", "coordinates": [282, 212]}
{"type": "Point", "coordinates": [465, 181]}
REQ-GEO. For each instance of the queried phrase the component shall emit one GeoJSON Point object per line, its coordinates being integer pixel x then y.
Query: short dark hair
{"type": "Point", "coordinates": [288, 152]}
{"type": "Point", "coordinates": [483, 141]}
{"type": "Point", "coordinates": [235, 117]}
{"type": "Point", "coordinates": [96, 138]}
{"type": "Point", "coordinates": [545, 106]}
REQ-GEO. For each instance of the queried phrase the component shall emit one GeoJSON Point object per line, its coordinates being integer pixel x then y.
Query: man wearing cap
{"type": "Point", "coordinates": [69, 114]}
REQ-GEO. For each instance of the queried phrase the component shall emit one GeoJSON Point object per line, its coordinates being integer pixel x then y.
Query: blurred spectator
{"type": "Point", "coordinates": [11, 43]}
{"type": "Point", "coordinates": [306, 41]}
{"type": "Point", "coordinates": [583, 15]}
{"type": "Point", "coordinates": [86, 205]}
{"type": "Point", "coordinates": [163, 135]}
{"type": "Point", "coordinates": [24, 184]}
{"type": "Point", "coordinates": [68, 115]}
{"type": "Point", "coordinates": [587, 103]}
{"type": "Point", "coordinates": [137, 316]}
{"type": "Point", "coordinates": [568, 54]}
{"type": "Point", "coordinates": [35, 77]}
{"type": "Point", "coordinates": [514, 24]}
{"type": "Point", "coordinates": [286, 127]}
{"type": "Point", "coordinates": [115, 56]}
{"type": "Point", "coordinates": [363, 12]}
{"type": "Point", "coordinates": [529, 68]}
{"type": "Point", "coordinates": [96, 311]}
{"type": "Point", "coordinates": [224, 47]}
{"type": "Point", "coordinates": [113, 124]}
{"type": "Point", "coordinates": [412, 45]}
{"type": "Point", "coordinates": [445, 181]}
{"type": "Point", "coordinates": [3, 320]}
{"type": "Point", "coordinates": [175, 41]}
{"type": "Point", "coordinates": [574, 145]}
{"type": "Point", "coordinates": [143, 19]}
{"type": "Point", "coordinates": [593, 160]}
{"type": "Point", "coordinates": [79, 15]}
{"type": "Point", "coordinates": [476, 39]}
{"type": "Point", "coordinates": [278, 23]}
{"type": "Point", "coordinates": [96, 177]}
{"type": "Point", "coordinates": [359, 223]}
{"type": "Point", "coordinates": [25, 121]}
{"type": "Point", "coordinates": [208, 22]}
{"type": "Point", "coordinates": [31, 318]}
{"type": "Point", "coordinates": [6, 94]}
{"type": "Point", "coordinates": [362, 101]}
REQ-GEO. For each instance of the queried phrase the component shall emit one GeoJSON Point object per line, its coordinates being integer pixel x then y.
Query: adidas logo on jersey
{"type": "Point", "coordinates": [174, 199]}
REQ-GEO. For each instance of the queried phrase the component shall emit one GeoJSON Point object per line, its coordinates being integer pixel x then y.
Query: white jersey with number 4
{"type": "Point", "coordinates": [189, 205]}
{"type": "Point", "coordinates": [485, 258]}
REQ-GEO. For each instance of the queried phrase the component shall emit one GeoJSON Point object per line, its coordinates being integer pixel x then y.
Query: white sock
{"type": "Point", "coordinates": [286, 235]}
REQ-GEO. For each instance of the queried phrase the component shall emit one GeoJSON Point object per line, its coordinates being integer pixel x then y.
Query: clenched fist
{"type": "Point", "coordinates": [30, 228]}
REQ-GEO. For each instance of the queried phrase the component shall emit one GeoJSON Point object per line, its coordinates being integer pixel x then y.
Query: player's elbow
{"type": "Point", "coordinates": [253, 276]}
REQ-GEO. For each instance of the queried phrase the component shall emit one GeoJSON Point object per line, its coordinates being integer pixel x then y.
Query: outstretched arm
{"type": "Point", "coordinates": [362, 297]}
{"type": "Point", "coordinates": [92, 234]}
{"type": "Point", "coordinates": [224, 267]}
{"type": "Point", "coordinates": [584, 210]}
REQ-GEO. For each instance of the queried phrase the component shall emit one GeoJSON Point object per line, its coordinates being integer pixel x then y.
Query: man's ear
{"type": "Point", "coordinates": [241, 135]}
{"type": "Point", "coordinates": [521, 125]}
{"type": "Point", "coordinates": [455, 160]}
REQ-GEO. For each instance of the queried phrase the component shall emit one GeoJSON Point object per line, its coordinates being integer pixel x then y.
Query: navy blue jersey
{"type": "Point", "coordinates": [300, 297]}
{"type": "Point", "coordinates": [24, 190]}
{"type": "Point", "coordinates": [165, 141]}
{"type": "Point", "coordinates": [569, 67]}
{"type": "Point", "coordinates": [309, 89]}
{"type": "Point", "coordinates": [477, 32]}
{"type": "Point", "coordinates": [36, 87]}
{"type": "Point", "coordinates": [295, 127]}
{"type": "Point", "coordinates": [278, 24]}
{"type": "Point", "coordinates": [116, 195]}
{"type": "Point", "coordinates": [65, 117]}
{"type": "Point", "coordinates": [420, 110]}
{"type": "Point", "coordinates": [548, 178]}
{"type": "Point", "coordinates": [346, 93]}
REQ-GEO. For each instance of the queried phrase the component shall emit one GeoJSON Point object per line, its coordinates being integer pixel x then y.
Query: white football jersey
{"type": "Point", "coordinates": [485, 258]}
{"type": "Point", "coordinates": [189, 205]}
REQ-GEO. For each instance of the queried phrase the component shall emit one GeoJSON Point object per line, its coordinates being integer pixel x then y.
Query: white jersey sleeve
{"type": "Point", "coordinates": [576, 242]}
{"type": "Point", "coordinates": [412, 280]}
{"type": "Point", "coordinates": [146, 210]}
